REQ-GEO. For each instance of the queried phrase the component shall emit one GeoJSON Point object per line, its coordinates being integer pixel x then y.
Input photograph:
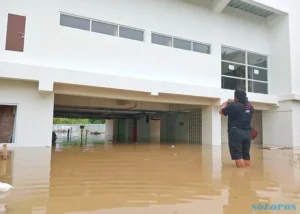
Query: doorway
{"type": "Point", "coordinates": [7, 123]}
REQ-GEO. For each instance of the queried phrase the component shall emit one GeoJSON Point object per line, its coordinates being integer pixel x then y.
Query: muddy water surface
{"type": "Point", "coordinates": [147, 179]}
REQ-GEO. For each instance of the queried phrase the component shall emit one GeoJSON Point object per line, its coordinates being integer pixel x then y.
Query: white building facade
{"type": "Point", "coordinates": [167, 51]}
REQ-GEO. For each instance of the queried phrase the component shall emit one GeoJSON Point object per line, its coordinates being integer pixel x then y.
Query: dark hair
{"type": "Point", "coordinates": [241, 95]}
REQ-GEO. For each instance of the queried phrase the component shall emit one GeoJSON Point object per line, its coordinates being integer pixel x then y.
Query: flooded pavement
{"type": "Point", "coordinates": [147, 179]}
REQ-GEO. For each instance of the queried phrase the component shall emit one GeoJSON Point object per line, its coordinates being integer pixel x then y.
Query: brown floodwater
{"type": "Point", "coordinates": [147, 179]}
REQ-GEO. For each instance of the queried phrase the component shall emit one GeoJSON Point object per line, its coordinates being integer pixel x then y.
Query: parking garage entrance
{"type": "Point", "coordinates": [126, 121]}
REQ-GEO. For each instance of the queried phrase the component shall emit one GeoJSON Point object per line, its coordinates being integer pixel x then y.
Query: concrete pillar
{"type": "Point", "coordinates": [155, 131]}
{"type": "Point", "coordinates": [171, 128]}
{"type": "Point", "coordinates": [163, 128]}
{"type": "Point", "coordinates": [211, 125]}
{"type": "Point", "coordinates": [109, 130]}
{"type": "Point", "coordinates": [281, 126]}
{"type": "Point", "coordinates": [143, 130]}
{"type": "Point", "coordinates": [115, 130]}
{"type": "Point", "coordinates": [129, 130]}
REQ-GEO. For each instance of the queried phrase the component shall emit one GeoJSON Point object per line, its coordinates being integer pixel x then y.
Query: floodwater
{"type": "Point", "coordinates": [147, 179]}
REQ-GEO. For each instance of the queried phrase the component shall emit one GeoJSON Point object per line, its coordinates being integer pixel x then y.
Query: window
{"type": "Point", "coordinates": [232, 55]}
{"type": "Point", "coordinates": [244, 70]}
{"type": "Point", "coordinates": [201, 48]}
{"type": "Point", "coordinates": [104, 28]}
{"type": "Point", "coordinates": [233, 83]}
{"type": "Point", "coordinates": [74, 22]}
{"type": "Point", "coordinates": [161, 40]}
{"type": "Point", "coordinates": [130, 33]}
{"type": "Point", "coordinates": [182, 44]}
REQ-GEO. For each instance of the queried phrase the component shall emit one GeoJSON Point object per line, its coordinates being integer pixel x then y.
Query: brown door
{"type": "Point", "coordinates": [15, 33]}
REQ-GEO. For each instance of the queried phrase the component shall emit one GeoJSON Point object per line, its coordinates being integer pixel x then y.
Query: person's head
{"type": "Point", "coordinates": [240, 96]}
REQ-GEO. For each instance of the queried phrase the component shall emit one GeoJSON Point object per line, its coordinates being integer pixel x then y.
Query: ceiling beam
{"type": "Point", "coordinates": [219, 5]}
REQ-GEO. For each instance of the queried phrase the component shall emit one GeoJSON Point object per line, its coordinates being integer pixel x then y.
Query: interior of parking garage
{"type": "Point", "coordinates": [129, 121]}
{"type": "Point", "coordinates": [135, 121]}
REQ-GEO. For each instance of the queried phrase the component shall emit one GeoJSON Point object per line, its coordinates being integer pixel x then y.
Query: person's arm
{"type": "Point", "coordinates": [252, 124]}
{"type": "Point", "coordinates": [225, 109]}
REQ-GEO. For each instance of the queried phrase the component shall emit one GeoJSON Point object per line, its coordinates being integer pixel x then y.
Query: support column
{"type": "Point", "coordinates": [281, 126]}
{"type": "Point", "coordinates": [170, 129]}
{"type": "Point", "coordinates": [211, 138]}
{"type": "Point", "coordinates": [109, 130]}
{"type": "Point", "coordinates": [211, 125]}
{"type": "Point", "coordinates": [143, 130]}
{"type": "Point", "coordinates": [115, 130]}
{"type": "Point", "coordinates": [129, 130]}
{"type": "Point", "coordinates": [163, 128]}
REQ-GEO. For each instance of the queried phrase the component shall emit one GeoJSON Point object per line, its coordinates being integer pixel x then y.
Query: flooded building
{"type": "Point", "coordinates": [155, 70]}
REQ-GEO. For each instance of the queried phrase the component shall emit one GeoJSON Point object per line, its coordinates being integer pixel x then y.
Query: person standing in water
{"type": "Point", "coordinates": [240, 114]}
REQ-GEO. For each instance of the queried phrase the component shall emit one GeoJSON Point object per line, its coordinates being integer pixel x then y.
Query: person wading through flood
{"type": "Point", "coordinates": [240, 114]}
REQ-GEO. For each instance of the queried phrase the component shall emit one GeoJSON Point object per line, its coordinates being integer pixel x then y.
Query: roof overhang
{"type": "Point", "coordinates": [249, 6]}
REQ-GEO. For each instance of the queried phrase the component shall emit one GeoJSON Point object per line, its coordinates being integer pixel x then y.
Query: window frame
{"type": "Point", "coordinates": [160, 34]}
{"type": "Point", "coordinates": [105, 22]}
{"type": "Point", "coordinates": [74, 16]}
{"type": "Point", "coordinates": [131, 28]}
{"type": "Point", "coordinates": [246, 68]}
{"type": "Point", "coordinates": [184, 39]}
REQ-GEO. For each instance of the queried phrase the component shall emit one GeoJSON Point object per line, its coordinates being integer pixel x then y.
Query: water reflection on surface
{"type": "Point", "coordinates": [146, 179]}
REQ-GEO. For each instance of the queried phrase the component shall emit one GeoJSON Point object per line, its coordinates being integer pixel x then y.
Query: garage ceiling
{"type": "Point", "coordinates": [104, 113]}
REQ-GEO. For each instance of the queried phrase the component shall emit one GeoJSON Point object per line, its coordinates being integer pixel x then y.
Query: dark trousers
{"type": "Point", "coordinates": [239, 143]}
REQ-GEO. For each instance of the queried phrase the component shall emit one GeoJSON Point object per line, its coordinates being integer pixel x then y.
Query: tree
{"type": "Point", "coordinates": [77, 121]}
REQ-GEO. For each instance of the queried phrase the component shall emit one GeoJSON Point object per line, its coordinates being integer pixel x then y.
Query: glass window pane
{"type": "Point", "coordinates": [233, 55]}
{"type": "Point", "coordinates": [231, 69]}
{"type": "Point", "coordinates": [104, 28]}
{"type": "Point", "coordinates": [201, 48]}
{"type": "Point", "coordinates": [182, 44]}
{"type": "Point", "coordinates": [258, 87]}
{"type": "Point", "coordinates": [257, 74]}
{"type": "Point", "coordinates": [233, 84]}
{"type": "Point", "coordinates": [129, 33]}
{"type": "Point", "coordinates": [161, 40]}
{"type": "Point", "coordinates": [74, 22]}
{"type": "Point", "coordinates": [257, 60]}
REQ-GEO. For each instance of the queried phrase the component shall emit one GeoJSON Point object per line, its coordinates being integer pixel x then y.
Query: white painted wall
{"type": "Point", "coordinates": [296, 124]}
{"type": "Point", "coordinates": [69, 48]}
{"type": "Point", "coordinates": [278, 126]}
{"type": "Point", "coordinates": [280, 60]}
{"type": "Point", "coordinates": [294, 18]}
{"type": "Point", "coordinates": [211, 126]}
{"type": "Point", "coordinates": [34, 112]}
